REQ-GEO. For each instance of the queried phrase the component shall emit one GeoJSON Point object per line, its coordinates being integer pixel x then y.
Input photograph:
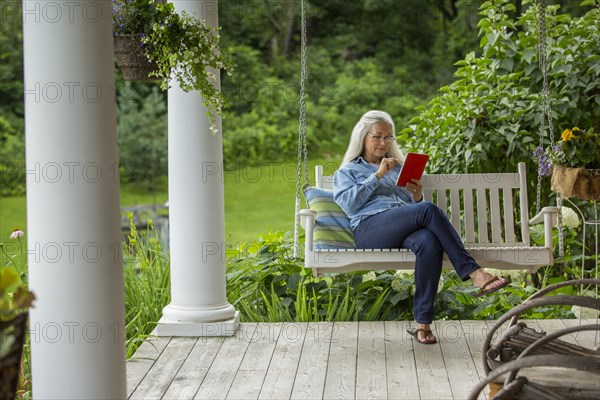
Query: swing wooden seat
{"type": "Point", "coordinates": [481, 208]}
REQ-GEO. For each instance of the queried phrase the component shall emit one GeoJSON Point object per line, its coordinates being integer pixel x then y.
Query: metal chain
{"type": "Point", "coordinates": [303, 79]}
{"type": "Point", "coordinates": [544, 66]}
{"type": "Point", "coordinates": [302, 140]}
{"type": "Point", "coordinates": [541, 41]}
{"type": "Point", "coordinates": [541, 52]}
{"type": "Point", "coordinates": [546, 115]}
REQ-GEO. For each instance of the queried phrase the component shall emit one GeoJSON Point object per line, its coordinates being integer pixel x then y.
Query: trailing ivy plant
{"type": "Point", "coordinates": [185, 48]}
{"type": "Point", "coordinates": [488, 119]}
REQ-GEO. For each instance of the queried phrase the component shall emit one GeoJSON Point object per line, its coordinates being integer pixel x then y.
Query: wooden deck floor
{"type": "Point", "coordinates": [366, 360]}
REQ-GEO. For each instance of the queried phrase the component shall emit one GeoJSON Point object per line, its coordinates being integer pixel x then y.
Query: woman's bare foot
{"type": "Point", "coordinates": [486, 282]}
{"type": "Point", "coordinates": [423, 334]}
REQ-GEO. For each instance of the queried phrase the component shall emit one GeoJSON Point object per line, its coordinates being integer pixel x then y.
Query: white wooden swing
{"type": "Point", "coordinates": [481, 208]}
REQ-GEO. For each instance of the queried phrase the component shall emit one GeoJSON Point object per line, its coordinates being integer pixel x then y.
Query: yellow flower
{"type": "Point", "coordinates": [9, 279]}
{"type": "Point", "coordinates": [567, 135]}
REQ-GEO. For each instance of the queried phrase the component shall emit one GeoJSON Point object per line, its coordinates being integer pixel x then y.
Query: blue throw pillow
{"type": "Point", "coordinates": [332, 225]}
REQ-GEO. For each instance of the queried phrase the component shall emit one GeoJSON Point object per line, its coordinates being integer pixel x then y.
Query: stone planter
{"type": "Point", "coordinates": [131, 59]}
{"type": "Point", "coordinates": [579, 182]}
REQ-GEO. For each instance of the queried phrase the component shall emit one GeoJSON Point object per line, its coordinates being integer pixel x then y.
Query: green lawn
{"type": "Point", "coordinates": [12, 215]}
{"type": "Point", "coordinates": [257, 200]}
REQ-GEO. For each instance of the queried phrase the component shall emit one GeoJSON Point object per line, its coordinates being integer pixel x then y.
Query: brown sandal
{"type": "Point", "coordinates": [428, 333]}
{"type": "Point", "coordinates": [483, 290]}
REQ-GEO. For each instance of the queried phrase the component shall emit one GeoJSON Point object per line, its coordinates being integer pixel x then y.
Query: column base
{"type": "Point", "coordinates": [171, 327]}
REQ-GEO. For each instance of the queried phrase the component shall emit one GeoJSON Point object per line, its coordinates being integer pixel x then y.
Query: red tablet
{"type": "Point", "coordinates": [413, 168]}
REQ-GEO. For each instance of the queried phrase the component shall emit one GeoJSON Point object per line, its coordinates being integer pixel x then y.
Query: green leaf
{"type": "Point", "coordinates": [528, 55]}
{"type": "Point", "coordinates": [492, 37]}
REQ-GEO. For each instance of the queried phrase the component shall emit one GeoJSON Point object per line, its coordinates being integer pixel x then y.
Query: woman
{"type": "Point", "coordinates": [383, 216]}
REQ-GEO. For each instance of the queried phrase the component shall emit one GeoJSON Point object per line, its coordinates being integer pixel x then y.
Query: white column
{"type": "Point", "coordinates": [75, 263]}
{"type": "Point", "coordinates": [199, 304]}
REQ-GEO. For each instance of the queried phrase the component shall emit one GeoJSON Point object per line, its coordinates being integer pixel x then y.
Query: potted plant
{"type": "Point", "coordinates": [574, 163]}
{"type": "Point", "coordinates": [175, 46]}
{"type": "Point", "coordinates": [15, 301]}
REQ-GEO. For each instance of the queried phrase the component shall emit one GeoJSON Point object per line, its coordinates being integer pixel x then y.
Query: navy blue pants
{"type": "Point", "coordinates": [425, 230]}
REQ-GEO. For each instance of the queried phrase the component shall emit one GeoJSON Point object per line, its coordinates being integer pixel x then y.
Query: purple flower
{"type": "Point", "coordinates": [544, 164]}
{"type": "Point", "coordinates": [17, 233]}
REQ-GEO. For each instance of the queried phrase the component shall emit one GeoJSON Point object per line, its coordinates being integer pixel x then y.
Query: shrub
{"type": "Point", "coordinates": [12, 157]}
{"type": "Point", "coordinates": [266, 284]}
{"type": "Point", "coordinates": [147, 284]}
{"type": "Point", "coordinates": [488, 119]}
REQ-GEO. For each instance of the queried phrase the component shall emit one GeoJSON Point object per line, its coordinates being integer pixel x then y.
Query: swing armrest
{"type": "Point", "coordinates": [307, 220]}
{"type": "Point", "coordinates": [547, 212]}
{"type": "Point", "coordinates": [307, 217]}
{"type": "Point", "coordinates": [548, 215]}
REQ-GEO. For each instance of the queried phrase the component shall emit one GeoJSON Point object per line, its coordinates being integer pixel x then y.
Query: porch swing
{"type": "Point", "coordinates": [479, 206]}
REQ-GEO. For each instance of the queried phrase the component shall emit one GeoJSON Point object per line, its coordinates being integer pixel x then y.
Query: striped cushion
{"type": "Point", "coordinates": [332, 225]}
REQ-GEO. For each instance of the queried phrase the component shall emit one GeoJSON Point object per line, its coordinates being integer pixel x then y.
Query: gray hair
{"type": "Point", "coordinates": [357, 141]}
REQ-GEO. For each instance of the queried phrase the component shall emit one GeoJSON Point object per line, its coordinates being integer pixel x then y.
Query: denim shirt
{"type": "Point", "coordinates": [360, 194]}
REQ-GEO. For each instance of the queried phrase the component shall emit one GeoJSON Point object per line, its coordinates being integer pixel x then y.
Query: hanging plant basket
{"type": "Point", "coordinates": [579, 182]}
{"type": "Point", "coordinates": [131, 59]}
{"type": "Point", "coordinates": [12, 340]}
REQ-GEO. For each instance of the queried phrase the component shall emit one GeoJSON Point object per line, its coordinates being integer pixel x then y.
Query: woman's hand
{"type": "Point", "coordinates": [416, 189]}
{"type": "Point", "coordinates": [386, 165]}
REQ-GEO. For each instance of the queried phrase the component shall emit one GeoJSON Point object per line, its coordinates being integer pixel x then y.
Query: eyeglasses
{"type": "Point", "coordinates": [386, 139]}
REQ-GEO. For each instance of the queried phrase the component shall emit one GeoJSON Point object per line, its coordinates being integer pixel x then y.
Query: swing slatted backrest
{"type": "Point", "coordinates": [481, 207]}
{"type": "Point", "coordinates": [485, 201]}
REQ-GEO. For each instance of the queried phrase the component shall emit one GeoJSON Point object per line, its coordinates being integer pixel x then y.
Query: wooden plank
{"type": "Point", "coordinates": [402, 379]}
{"type": "Point", "coordinates": [433, 379]}
{"type": "Point", "coordinates": [469, 216]}
{"type": "Point", "coordinates": [312, 368]}
{"type": "Point", "coordinates": [194, 369]}
{"type": "Point", "coordinates": [455, 209]}
{"type": "Point", "coordinates": [340, 382]}
{"type": "Point", "coordinates": [281, 373]}
{"type": "Point", "coordinates": [260, 351]}
{"type": "Point", "coordinates": [246, 385]}
{"type": "Point", "coordinates": [589, 339]}
{"type": "Point", "coordinates": [475, 333]}
{"type": "Point", "coordinates": [460, 367]}
{"type": "Point", "coordinates": [441, 201]}
{"type": "Point", "coordinates": [253, 369]}
{"type": "Point", "coordinates": [158, 379]}
{"type": "Point", "coordinates": [371, 382]}
{"type": "Point", "coordinates": [450, 181]}
{"type": "Point", "coordinates": [143, 360]}
{"type": "Point", "coordinates": [495, 215]}
{"type": "Point", "coordinates": [482, 219]}
{"type": "Point", "coordinates": [509, 220]}
{"type": "Point", "coordinates": [221, 374]}
{"type": "Point", "coordinates": [428, 194]}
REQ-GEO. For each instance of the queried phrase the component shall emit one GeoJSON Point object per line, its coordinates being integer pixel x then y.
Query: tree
{"type": "Point", "coordinates": [142, 134]}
